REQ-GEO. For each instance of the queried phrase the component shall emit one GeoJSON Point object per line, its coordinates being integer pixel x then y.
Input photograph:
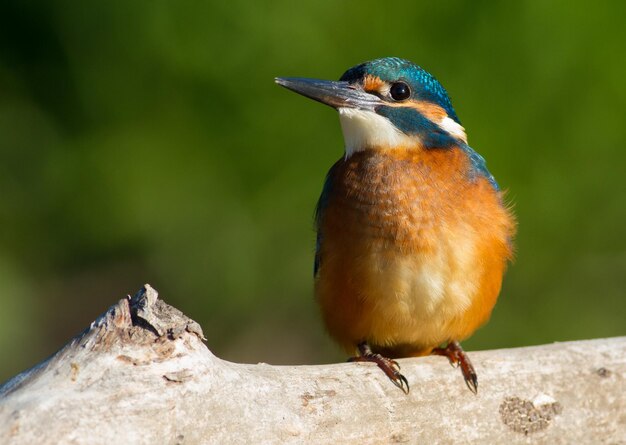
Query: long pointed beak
{"type": "Point", "coordinates": [337, 94]}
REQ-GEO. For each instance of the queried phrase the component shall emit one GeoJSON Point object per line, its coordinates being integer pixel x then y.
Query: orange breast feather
{"type": "Point", "coordinates": [412, 250]}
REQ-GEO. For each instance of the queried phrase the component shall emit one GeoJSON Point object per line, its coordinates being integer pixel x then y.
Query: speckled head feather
{"type": "Point", "coordinates": [424, 86]}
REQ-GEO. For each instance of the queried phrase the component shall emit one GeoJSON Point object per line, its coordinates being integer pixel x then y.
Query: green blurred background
{"type": "Point", "coordinates": [145, 141]}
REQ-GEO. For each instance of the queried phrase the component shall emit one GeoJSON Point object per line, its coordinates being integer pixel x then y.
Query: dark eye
{"type": "Point", "coordinates": [399, 91]}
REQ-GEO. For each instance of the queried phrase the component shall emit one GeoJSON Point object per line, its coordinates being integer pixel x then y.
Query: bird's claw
{"type": "Point", "coordinates": [471, 380]}
{"type": "Point", "coordinates": [401, 382]}
{"type": "Point", "coordinates": [457, 357]}
{"type": "Point", "coordinates": [390, 367]}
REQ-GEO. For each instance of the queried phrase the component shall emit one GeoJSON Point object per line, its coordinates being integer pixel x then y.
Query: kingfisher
{"type": "Point", "coordinates": [413, 232]}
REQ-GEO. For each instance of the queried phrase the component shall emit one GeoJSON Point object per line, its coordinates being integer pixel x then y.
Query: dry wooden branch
{"type": "Point", "coordinates": [141, 374]}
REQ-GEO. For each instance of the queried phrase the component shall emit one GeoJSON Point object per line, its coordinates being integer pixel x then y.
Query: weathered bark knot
{"type": "Point", "coordinates": [140, 319]}
{"type": "Point", "coordinates": [146, 309]}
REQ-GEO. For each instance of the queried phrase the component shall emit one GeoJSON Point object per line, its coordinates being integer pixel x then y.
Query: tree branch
{"type": "Point", "coordinates": [141, 374]}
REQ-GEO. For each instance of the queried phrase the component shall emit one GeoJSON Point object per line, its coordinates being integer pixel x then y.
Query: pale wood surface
{"type": "Point", "coordinates": [141, 374]}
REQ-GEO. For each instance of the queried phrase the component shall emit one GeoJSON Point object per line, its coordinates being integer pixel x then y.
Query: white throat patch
{"type": "Point", "coordinates": [364, 129]}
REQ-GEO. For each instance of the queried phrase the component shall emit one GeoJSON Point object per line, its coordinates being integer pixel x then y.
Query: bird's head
{"type": "Point", "coordinates": [386, 103]}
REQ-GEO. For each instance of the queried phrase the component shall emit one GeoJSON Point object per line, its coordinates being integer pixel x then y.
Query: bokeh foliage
{"type": "Point", "coordinates": [145, 141]}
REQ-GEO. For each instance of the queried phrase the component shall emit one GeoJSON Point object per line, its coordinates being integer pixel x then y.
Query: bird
{"type": "Point", "coordinates": [413, 232]}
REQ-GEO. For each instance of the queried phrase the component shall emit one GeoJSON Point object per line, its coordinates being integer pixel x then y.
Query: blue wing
{"type": "Point", "coordinates": [479, 165]}
{"type": "Point", "coordinates": [322, 203]}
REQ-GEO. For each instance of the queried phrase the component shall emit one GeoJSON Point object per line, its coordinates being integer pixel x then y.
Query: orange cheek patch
{"type": "Point", "coordinates": [372, 83]}
{"type": "Point", "coordinates": [431, 111]}
{"type": "Point", "coordinates": [427, 109]}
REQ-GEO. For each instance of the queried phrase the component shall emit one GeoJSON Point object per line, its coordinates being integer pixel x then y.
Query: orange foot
{"type": "Point", "coordinates": [389, 367]}
{"type": "Point", "coordinates": [457, 357]}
